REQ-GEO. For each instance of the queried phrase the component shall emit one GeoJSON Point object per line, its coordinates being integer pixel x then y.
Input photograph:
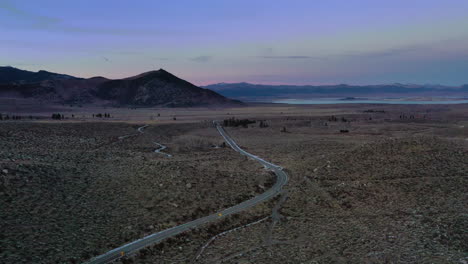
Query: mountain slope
{"type": "Point", "coordinates": [13, 75]}
{"type": "Point", "coordinates": [76, 91]}
{"type": "Point", "coordinates": [154, 88]}
{"type": "Point", "coordinates": [159, 88]}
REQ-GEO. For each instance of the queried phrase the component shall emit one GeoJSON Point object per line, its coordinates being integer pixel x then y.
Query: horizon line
{"type": "Point", "coordinates": [257, 83]}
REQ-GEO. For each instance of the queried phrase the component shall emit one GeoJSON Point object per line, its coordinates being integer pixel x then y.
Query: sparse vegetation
{"type": "Point", "coordinates": [121, 190]}
{"type": "Point", "coordinates": [392, 190]}
{"type": "Point", "coordinates": [187, 143]}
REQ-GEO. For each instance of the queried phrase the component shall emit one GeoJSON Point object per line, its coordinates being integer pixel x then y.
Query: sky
{"type": "Point", "coordinates": [257, 41]}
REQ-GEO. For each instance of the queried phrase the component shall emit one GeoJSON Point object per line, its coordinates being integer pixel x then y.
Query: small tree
{"type": "Point", "coordinates": [263, 124]}
{"type": "Point", "coordinates": [57, 116]}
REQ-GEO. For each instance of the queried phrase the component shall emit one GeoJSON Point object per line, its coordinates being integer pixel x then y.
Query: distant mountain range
{"type": "Point", "coordinates": [154, 88]}
{"type": "Point", "coordinates": [161, 88]}
{"type": "Point", "coordinates": [248, 91]}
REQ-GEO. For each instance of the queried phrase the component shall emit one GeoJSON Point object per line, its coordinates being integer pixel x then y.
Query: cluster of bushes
{"type": "Point", "coordinates": [374, 111]}
{"type": "Point", "coordinates": [335, 119]}
{"type": "Point", "coordinates": [15, 117]}
{"type": "Point", "coordinates": [105, 115]}
{"type": "Point", "coordinates": [233, 122]}
{"type": "Point", "coordinates": [58, 116]}
{"type": "Point", "coordinates": [406, 117]}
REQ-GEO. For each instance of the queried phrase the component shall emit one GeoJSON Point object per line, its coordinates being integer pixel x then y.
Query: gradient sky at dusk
{"type": "Point", "coordinates": [272, 42]}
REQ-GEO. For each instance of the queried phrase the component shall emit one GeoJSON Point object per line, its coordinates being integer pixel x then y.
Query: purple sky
{"type": "Point", "coordinates": [272, 42]}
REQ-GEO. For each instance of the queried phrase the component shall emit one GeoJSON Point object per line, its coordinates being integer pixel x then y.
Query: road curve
{"type": "Point", "coordinates": [140, 129]}
{"type": "Point", "coordinates": [161, 146]}
{"type": "Point", "coordinates": [134, 246]}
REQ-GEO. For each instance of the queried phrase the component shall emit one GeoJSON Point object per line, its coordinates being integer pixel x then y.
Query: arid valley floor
{"type": "Point", "coordinates": [367, 184]}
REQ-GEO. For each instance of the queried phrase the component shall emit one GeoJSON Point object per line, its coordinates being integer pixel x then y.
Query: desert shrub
{"type": "Point", "coordinates": [193, 142]}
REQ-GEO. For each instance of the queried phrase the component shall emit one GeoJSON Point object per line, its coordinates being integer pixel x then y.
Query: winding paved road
{"type": "Point", "coordinates": [161, 146]}
{"type": "Point", "coordinates": [134, 246]}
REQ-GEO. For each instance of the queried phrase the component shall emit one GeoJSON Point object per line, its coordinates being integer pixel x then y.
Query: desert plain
{"type": "Point", "coordinates": [367, 183]}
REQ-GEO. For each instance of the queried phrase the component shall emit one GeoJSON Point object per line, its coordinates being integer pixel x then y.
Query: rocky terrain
{"type": "Point", "coordinates": [392, 189]}
{"type": "Point", "coordinates": [397, 195]}
{"type": "Point", "coordinates": [70, 191]}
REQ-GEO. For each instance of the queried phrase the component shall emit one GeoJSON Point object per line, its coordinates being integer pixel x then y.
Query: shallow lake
{"type": "Point", "coordinates": [368, 101]}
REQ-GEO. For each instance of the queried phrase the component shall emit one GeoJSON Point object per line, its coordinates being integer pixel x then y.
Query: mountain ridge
{"type": "Point", "coordinates": [153, 88]}
{"type": "Point", "coordinates": [9, 74]}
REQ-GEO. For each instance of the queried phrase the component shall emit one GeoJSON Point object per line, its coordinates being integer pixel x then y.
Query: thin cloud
{"type": "Point", "coordinates": [384, 53]}
{"type": "Point", "coordinates": [41, 22]}
{"type": "Point", "coordinates": [38, 20]}
{"type": "Point", "coordinates": [201, 58]}
{"type": "Point", "coordinates": [289, 57]}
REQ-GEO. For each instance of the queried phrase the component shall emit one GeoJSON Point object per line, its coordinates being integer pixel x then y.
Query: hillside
{"type": "Point", "coordinates": [158, 88]}
{"type": "Point", "coordinates": [13, 75]}
{"type": "Point", "coordinates": [73, 91]}
{"type": "Point", "coordinates": [154, 88]}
